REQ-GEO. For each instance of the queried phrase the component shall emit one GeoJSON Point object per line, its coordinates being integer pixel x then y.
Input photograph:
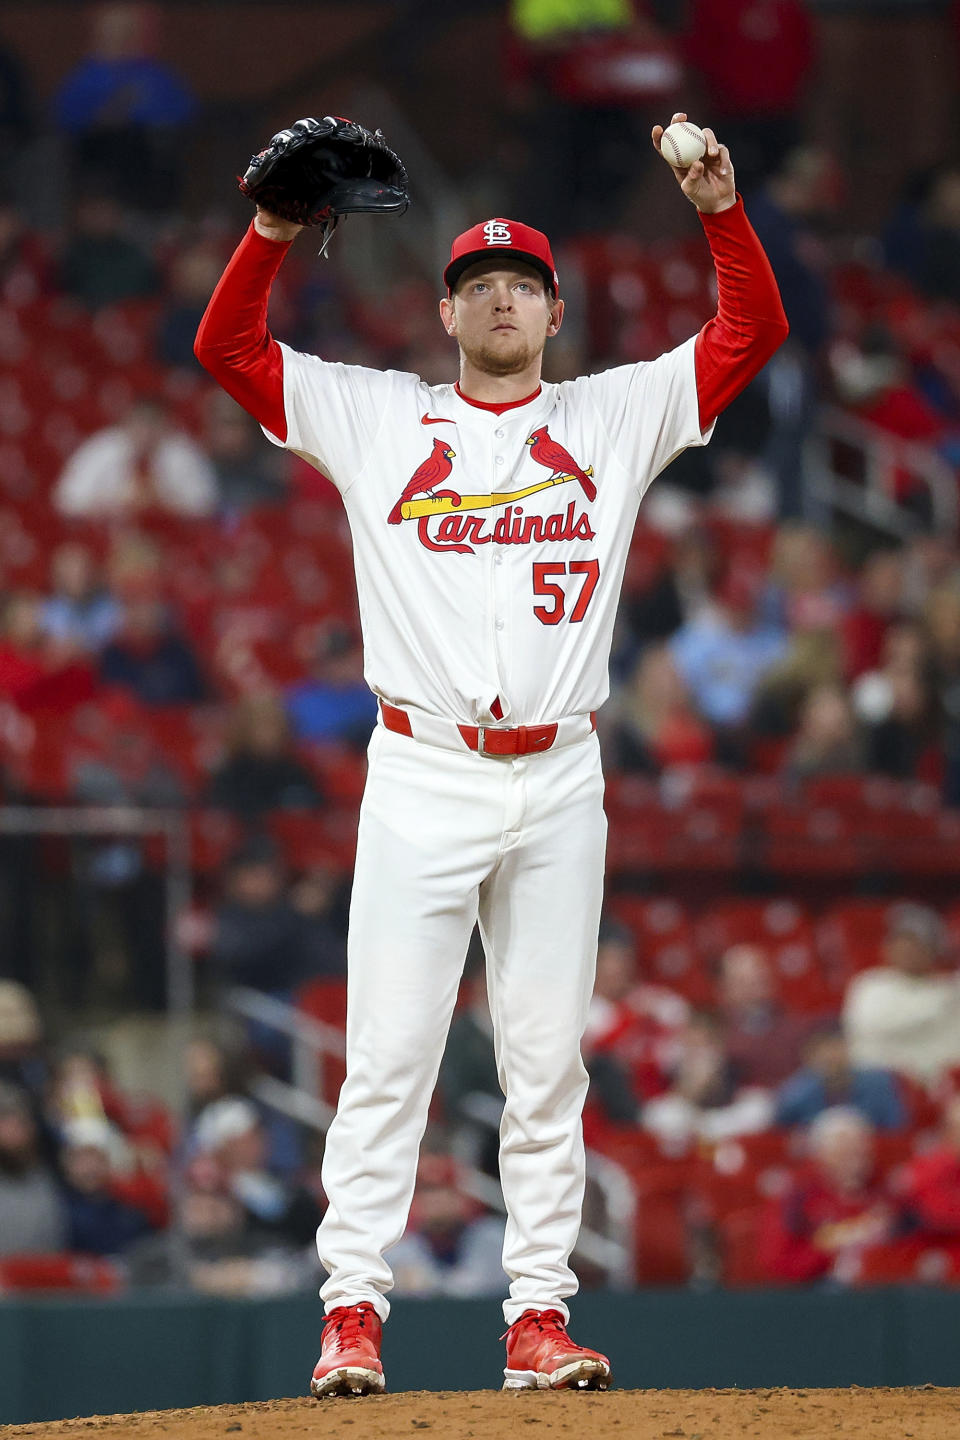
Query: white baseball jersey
{"type": "Point", "coordinates": [490, 549]}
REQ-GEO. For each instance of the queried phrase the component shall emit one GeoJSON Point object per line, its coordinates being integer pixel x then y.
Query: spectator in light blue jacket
{"type": "Point", "coordinates": [828, 1079]}
{"type": "Point", "coordinates": [723, 653]}
{"type": "Point", "coordinates": [79, 612]}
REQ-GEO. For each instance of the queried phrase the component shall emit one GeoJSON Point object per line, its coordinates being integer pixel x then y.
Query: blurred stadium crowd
{"type": "Point", "coordinates": [774, 1044]}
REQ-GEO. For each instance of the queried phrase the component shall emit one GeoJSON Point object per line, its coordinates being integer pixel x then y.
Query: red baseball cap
{"type": "Point", "coordinates": [504, 238]}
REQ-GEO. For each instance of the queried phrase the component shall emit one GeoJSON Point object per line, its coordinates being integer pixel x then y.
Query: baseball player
{"type": "Point", "coordinates": [491, 520]}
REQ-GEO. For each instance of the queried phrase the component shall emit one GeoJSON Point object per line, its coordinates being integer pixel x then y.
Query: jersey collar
{"type": "Point", "coordinates": [495, 408]}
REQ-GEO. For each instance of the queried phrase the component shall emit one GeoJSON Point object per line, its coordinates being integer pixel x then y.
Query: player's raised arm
{"type": "Point", "coordinates": [233, 341]}
{"type": "Point", "coordinates": [309, 175]}
{"type": "Point", "coordinates": [750, 323]}
{"type": "Point", "coordinates": [274, 227]}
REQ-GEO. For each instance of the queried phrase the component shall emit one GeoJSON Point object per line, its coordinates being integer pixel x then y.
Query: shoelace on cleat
{"type": "Point", "coordinates": [348, 1324]}
{"type": "Point", "coordinates": [544, 1320]}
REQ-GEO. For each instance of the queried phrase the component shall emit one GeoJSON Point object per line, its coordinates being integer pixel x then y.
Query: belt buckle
{"type": "Point", "coordinates": [482, 731]}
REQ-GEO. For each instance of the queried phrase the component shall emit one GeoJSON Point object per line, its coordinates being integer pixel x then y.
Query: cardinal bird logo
{"type": "Point", "coordinates": [425, 478]}
{"type": "Point", "coordinates": [551, 454]}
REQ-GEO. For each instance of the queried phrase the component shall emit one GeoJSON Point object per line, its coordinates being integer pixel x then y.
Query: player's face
{"type": "Point", "coordinates": [501, 317]}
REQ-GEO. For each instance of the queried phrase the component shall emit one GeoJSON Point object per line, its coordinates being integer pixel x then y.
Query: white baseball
{"type": "Point", "coordinates": [683, 143]}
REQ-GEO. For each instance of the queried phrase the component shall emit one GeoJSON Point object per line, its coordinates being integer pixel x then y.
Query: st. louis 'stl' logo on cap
{"type": "Point", "coordinates": [495, 232]}
{"type": "Point", "coordinates": [508, 238]}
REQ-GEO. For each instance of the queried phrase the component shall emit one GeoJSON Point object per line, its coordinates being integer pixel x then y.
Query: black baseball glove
{"type": "Point", "coordinates": [319, 170]}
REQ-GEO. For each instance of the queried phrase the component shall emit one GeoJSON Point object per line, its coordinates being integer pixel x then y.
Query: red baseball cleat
{"type": "Point", "coordinates": [349, 1361]}
{"type": "Point", "coordinates": [541, 1356]}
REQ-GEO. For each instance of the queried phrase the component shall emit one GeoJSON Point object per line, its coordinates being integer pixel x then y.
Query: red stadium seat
{"type": "Point", "coordinates": [627, 796]}
{"type": "Point", "coordinates": [326, 1000]}
{"type": "Point", "coordinates": [850, 938]}
{"type": "Point", "coordinates": [214, 835]}
{"type": "Point", "coordinates": [845, 792]}
{"type": "Point", "coordinates": [743, 1172]}
{"type": "Point", "coordinates": [901, 826]}
{"type": "Point", "coordinates": [39, 768]}
{"type": "Point", "coordinates": [85, 1274]}
{"type": "Point", "coordinates": [174, 738]}
{"type": "Point", "coordinates": [703, 785]}
{"type": "Point", "coordinates": [661, 1238]}
{"type": "Point", "coordinates": [806, 841]}
{"type": "Point", "coordinates": [647, 558]}
{"type": "Point", "coordinates": [341, 773]}
{"type": "Point", "coordinates": [807, 992]}
{"type": "Point", "coordinates": [661, 1189]}
{"type": "Point", "coordinates": [700, 836]}
{"type": "Point", "coordinates": [765, 1149]}
{"type": "Point", "coordinates": [739, 1235]}
{"type": "Point", "coordinates": [768, 756]}
{"type": "Point", "coordinates": [742, 541]}
{"type": "Point", "coordinates": [754, 921]}
{"type": "Point", "coordinates": [892, 1148]}
{"type": "Point", "coordinates": [666, 946]}
{"type": "Point", "coordinates": [785, 932]}
{"type": "Point", "coordinates": [311, 839]}
{"type": "Point", "coordinates": [656, 920]}
{"type": "Point", "coordinates": [910, 1261]}
{"type": "Point", "coordinates": [923, 1107]}
{"type": "Point", "coordinates": [638, 1150]}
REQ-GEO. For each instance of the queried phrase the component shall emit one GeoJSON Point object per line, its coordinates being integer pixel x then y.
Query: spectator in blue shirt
{"type": "Point", "coordinates": [723, 654]}
{"type": "Point", "coordinates": [99, 1223]}
{"type": "Point", "coordinates": [334, 703]}
{"type": "Point", "coordinates": [125, 109]}
{"type": "Point", "coordinates": [79, 612]}
{"type": "Point", "coordinates": [149, 657]}
{"type": "Point", "coordinates": [828, 1079]}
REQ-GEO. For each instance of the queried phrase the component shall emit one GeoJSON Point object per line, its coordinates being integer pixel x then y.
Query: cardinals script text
{"type": "Point", "coordinates": [460, 533]}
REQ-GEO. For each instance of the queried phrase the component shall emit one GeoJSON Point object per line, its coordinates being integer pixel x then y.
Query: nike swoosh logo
{"type": "Point", "coordinates": [435, 420]}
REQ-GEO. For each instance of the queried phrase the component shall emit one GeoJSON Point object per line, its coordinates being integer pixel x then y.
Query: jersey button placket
{"type": "Point", "coordinates": [494, 559]}
{"type": "Point", "coordinates": [499, 599]}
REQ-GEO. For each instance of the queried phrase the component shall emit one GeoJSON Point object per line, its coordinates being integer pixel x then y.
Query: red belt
{"type": "Point", "coordinates": [486, 739]}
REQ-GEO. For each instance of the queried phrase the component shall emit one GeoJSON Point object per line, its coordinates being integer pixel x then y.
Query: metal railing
{"type": "Point", "coordinates": [419, 241]}
{"type": "Point", "coordinates": [879, 460]}
{"type": "Point", "coordinates": [611, 1251]}
{"type": "Point", "coordinates": [311, 1040]}
{"type": "Point", "coordinates": [79, 822]}
{"type": "Point", "coordinates": [104, 821]}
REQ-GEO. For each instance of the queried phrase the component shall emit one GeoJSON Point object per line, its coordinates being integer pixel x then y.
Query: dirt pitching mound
{"type": "Point", "coordinates": [926, 1413]}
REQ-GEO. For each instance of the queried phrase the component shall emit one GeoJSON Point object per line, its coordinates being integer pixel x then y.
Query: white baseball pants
{"type": "Point", "coordinates": [446, 838]}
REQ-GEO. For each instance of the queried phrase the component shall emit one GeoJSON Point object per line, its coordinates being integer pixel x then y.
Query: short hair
{"type": "Point", "coordinates": [14, 1100]}
{"type": "Point", "coordinates": [614, 932]}
{"type": "Point", "coordinates": [837, 1118]}
{"type": "Point", "coordinates": [919, 922]}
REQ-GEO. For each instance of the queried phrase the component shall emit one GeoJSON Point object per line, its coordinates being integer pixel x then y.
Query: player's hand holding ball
{"type": "Point", "coordinates": [701, 165]}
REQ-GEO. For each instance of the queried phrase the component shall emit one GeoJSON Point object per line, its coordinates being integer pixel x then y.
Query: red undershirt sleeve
{"type": "Point", "coordinates": [233, 342]}
{"type": "Point", "coordinates": [750, 323]}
